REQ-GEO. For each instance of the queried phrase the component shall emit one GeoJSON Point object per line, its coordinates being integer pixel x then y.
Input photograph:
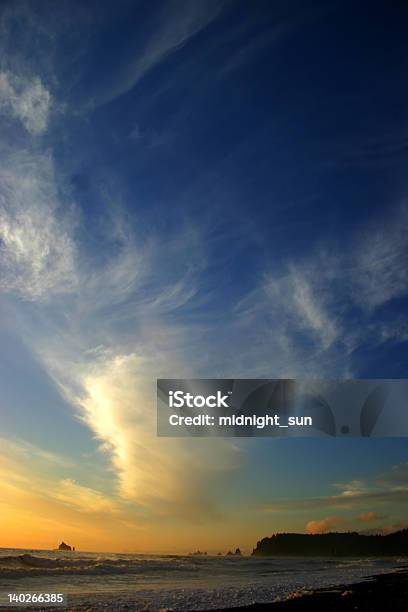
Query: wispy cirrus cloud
{"type": "Point", "coordinates": [37, 250]}
{"type": "Point", "coordinates": [281, 28]}
{"type": "Point", "coordinates": [26, 100]}
{"type": "Point", "coordinates": [177, 22]}
{"type": "Point", "coordinates": [380, 271]}
{"type": "Point", "coordinates": [303, 308]}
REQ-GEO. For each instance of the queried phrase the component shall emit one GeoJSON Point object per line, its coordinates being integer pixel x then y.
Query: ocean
{"type": "Point", "coordinates": [158, 582]}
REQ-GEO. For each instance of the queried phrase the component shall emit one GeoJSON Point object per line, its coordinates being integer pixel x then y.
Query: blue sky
{"type": "Point", "coordinates": [205, 189]}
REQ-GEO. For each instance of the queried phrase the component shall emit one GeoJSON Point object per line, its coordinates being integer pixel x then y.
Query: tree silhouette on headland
{"type": "Point", "coordinates": [333, 544]}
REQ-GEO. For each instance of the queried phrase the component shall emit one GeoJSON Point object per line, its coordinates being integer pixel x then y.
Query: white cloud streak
{"type": "Point", "coordinates": [26, 100]}
{"type": "Point", "coordinates": [380, 271]}
{"type": "Point", "coordinates": [298, 318]}
{"type": "Point", "coordinates": [178, 22]}
{"type": "Point", "coordinates": [36, 248]}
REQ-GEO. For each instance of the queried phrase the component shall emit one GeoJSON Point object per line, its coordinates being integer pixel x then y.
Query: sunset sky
{"type": "Point", "coordinates": [210, 188]}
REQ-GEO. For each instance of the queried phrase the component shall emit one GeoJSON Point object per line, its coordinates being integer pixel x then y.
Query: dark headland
{"type": "Point", "coordinates": [333, 544]}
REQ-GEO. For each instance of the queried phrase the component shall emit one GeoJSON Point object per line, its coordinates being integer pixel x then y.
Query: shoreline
{"type": "Point", "coordinates": [375, 594]}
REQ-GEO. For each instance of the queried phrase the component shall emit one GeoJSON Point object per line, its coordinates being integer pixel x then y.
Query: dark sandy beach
{"type": "Point", "coordinates": [383, 592]}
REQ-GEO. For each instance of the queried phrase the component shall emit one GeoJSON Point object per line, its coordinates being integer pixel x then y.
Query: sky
{"type": "Point", "coordinates": [196, 189]}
